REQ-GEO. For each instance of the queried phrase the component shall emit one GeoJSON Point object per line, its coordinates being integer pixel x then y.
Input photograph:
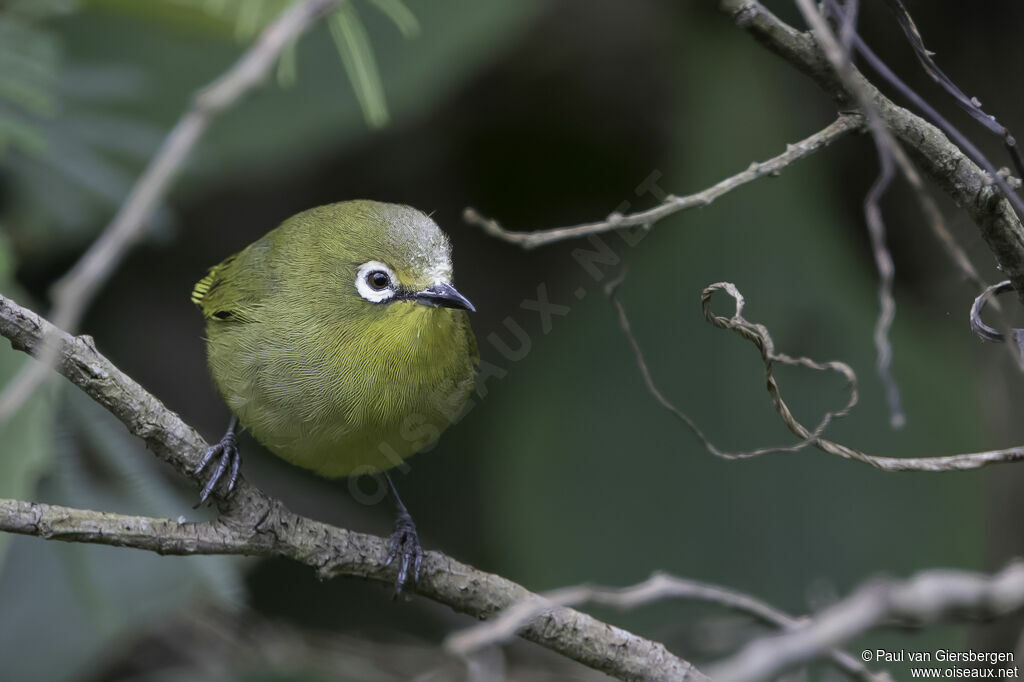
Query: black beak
{"type": "Point", "coordinates": [443, 296]}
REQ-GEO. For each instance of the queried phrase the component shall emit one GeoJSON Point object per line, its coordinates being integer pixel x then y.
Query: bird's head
{"type": "Point", "coordinates": [387, 256]}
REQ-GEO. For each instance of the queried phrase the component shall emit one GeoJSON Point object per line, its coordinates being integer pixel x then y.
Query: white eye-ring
{"type": "Point", "coordinates": [376, 282]}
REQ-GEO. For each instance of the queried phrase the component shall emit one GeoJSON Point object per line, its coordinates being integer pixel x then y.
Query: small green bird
{"type": "Point", "coordinates": [340, 342]}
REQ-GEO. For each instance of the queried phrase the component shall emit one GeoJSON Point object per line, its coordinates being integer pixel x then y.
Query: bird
{"type": "Point", "coordinates": [339, 341]}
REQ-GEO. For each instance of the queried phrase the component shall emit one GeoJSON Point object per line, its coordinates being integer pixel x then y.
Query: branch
{"type": "Point", "coordinates": [659, 586]}
{"type": "Point", "coordinates": [254, 524]}
{"type": "Point", "coordinates": [672, 204]}
{"type": "Point", "coordinates": [162, 536]}
{"type": "Point", "coordinates": [929, 597]}
{"type": "Point", "coordinates": [929, 112]}
{"type": "Point", "coordinates": [955, 173]}
{"type": "Point", "coordinates": [73, 293]}
{"type": "Point", "coordinates": [969, 104]}
{"type": "Point", "coordinates": [758, 335]}
{"type": "Point", "coordinates": [890, 157]}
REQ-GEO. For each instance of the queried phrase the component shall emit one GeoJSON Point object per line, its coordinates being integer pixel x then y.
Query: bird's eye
{"type": "Point", "coordinates": [378, 280]}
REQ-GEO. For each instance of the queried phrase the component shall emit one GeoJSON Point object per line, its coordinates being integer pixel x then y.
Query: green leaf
{"type": "Point", "coordinates": [251, 17]}
{"type": "Point", "coordinates": [350, 37]}
{"type": "Point", "coordinates": [401, 15]}
{"type": "Point", "coordinates": [173, 56]}
{"type": "Point", "coordinates": [353, 45]}
{"type": "Point", "coordinates": [287, 66]}
{"type": "Point", "coordinates": [16, 133]}
{"type": "Point", "coordinates": [29, 57]}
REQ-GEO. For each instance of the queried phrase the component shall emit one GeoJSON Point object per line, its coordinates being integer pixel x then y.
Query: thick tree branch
{"type": "Point", "coordinates": [929, 597]}
{"type": "Point", "coordinates": [73, 293]}
{"type": "Point", "coordinates": [956, 174]}
{"type": "Point", "coordinates": [672, 204]}
{"type": "Point", "coordinates": [253, 523]}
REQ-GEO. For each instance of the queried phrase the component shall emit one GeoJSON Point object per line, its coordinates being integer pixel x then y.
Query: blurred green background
{"type": "Point", "coordinates": [565, 470]}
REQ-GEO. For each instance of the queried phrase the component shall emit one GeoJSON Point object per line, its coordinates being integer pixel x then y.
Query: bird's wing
{"type": "Point", "coordinates": [223, 295]}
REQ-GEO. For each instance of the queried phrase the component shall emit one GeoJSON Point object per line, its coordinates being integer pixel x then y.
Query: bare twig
{"type": "Point", "coordinates": [880, 67]}
{"type": "Point", "coordinates": [959, 257]}
{"type": "Point", "coordinates": [673, 204]}
{"type": "Point", "coordinates": [956, 174]}
{"type": "Point", "coordinates": [889, 156]}
{"type": "Point", "coordinates": [969, 104]}
{"type": "Point", "coordinates": [889, 152]}
{"type": "Point", "coordinates": [658, 587]}
{"type": "Point", "coordinates": [759, 336]}
{"type": "Point", "coordinates": [929, 597]}
{"type": "Point", "coordinates": [928, 206]}
{"type": "Point", "coordinates": [73, 293]}
{"type": "Point", "coordinates": [255, 524]}
{"type": "Point", "coordinates": [984, 331]}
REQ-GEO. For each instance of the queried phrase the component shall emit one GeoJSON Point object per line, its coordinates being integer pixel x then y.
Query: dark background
{"type": "Point", "coordinates": [538, 114]}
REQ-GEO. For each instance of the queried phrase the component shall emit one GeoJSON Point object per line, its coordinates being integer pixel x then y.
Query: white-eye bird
{"type": "Point", "coordinates": [339, 340]}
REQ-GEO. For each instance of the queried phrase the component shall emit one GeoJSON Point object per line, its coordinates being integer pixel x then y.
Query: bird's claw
{"type": "Point", "coordinates": [228, 462]}
{"type": "Point", "coordinates": [405, 546]}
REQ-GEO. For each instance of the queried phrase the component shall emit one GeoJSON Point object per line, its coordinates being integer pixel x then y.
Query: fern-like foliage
{"type": "Point", "coordinates": [347, 31]}
{"type": "Point", "coordinates": [29, 71]}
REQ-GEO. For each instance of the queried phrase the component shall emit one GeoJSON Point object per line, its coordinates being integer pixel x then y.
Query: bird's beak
{"type": "Point", "coordinates": [443, 296]}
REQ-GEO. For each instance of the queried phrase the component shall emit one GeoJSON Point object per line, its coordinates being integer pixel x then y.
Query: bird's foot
{"type": "Point", "coordinates": [405, 547]}
{"type": "Point", "coordinates": [228, 462]}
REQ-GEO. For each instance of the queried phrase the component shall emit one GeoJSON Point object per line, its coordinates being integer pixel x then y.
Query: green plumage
{"type": "Point", "coordinates": [322, 376]}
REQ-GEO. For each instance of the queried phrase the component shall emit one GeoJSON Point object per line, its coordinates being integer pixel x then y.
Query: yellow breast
{"type": "Point", "coordinates": [344, 401]}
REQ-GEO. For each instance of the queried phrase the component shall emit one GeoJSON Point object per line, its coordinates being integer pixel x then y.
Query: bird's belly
{"type": "Point", "coordinates": [340, 421]}
{"type": "Point", "coordinates": [337, 448]}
